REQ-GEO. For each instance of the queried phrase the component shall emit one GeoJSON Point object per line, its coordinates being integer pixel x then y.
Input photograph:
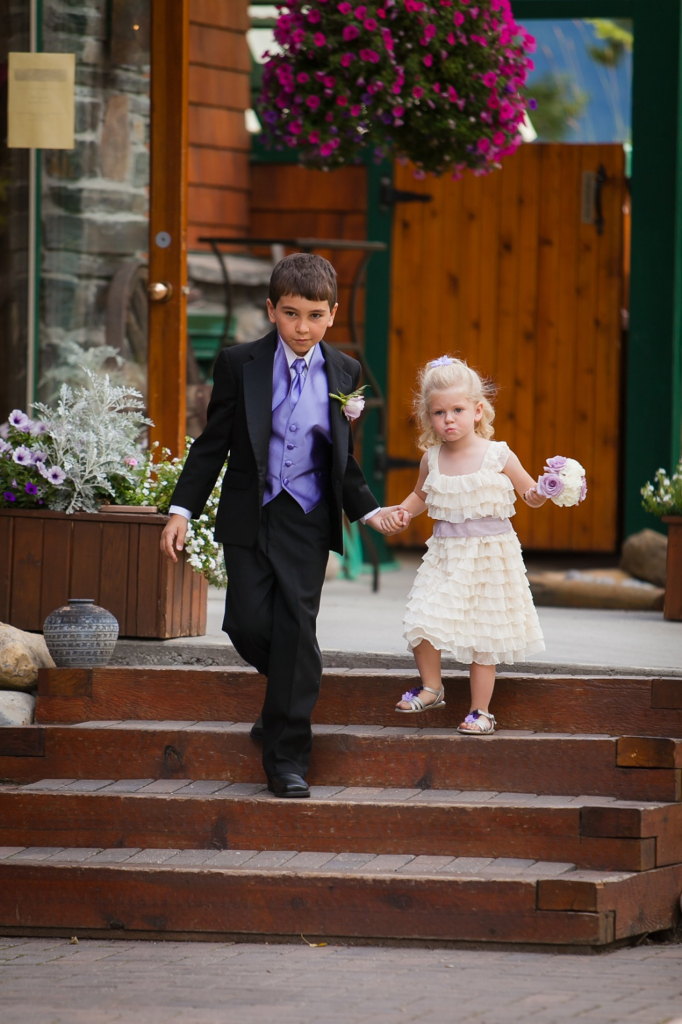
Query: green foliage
{"type": "Point", "coordinates": [618, 39]}
{"type": "Point", "coordinates": [559, 105]}
{"type": "Point", "coordinates": [663, 497]}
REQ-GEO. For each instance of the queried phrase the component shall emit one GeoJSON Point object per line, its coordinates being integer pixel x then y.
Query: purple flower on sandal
{"type": "Point", "coordinates": [414, 692]}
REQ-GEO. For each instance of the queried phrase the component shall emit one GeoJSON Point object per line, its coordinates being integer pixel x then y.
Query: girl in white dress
{"type": "Point", "coordinates": [471, 596]}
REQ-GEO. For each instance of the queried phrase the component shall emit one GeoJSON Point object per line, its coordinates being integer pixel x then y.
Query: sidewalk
{"type": "Point", "coordinates": [360, 629]}
{"type": "Point", "coordinates": [102, 982]}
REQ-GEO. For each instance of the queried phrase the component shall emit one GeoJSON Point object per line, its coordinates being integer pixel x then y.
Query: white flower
{"type": "Point", "coordinates": [22, 456]}
{"type": "Point", "coordinates": [19, 420]}
{"type": "Point", "coordinates": [353, 407]}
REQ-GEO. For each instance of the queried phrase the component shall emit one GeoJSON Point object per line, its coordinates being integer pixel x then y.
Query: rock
{"type": "Point", "coordinates": [21, 655]}
{"type": "Point", "coordinates": [16, 708]}
{"type": "Point", "coordinates": [644, 556]}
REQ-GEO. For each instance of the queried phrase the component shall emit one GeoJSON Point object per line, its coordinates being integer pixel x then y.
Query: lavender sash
{"type": "Point", "coordinates": [486, 527]}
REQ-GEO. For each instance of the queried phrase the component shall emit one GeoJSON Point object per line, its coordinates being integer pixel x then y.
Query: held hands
{"type": "Point", "coordinates": [173, 536]}
{"type": "Point", "coordinates": [391, 520]}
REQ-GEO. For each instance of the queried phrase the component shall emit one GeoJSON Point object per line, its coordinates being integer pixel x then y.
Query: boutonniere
{"type": "Point", "coordinates": [352, 404]}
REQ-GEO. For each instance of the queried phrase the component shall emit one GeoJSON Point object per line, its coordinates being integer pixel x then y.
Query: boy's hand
{"type": "Point", "coordinates": [173, 536]}
{"type": "Point", "coordinates": [532, 498]}
{"type": "Point", "coordinates": [391, 520]}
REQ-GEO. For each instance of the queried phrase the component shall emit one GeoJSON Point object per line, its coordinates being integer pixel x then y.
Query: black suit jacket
{"type": "Point", "coordinates": [240, 422]}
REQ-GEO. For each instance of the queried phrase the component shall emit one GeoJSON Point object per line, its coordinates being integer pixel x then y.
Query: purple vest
{"type": "Point", "coordinates": [300, 442]}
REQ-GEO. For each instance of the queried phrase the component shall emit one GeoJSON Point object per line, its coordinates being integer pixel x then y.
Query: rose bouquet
{"type": "Point", "coordinates": [438, 83]}
{"type": "Point", "coordinates": [563, 481]}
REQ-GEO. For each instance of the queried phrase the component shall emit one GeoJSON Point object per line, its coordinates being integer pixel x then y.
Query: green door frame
{"type": "Point", "coordinates": [653, 399]}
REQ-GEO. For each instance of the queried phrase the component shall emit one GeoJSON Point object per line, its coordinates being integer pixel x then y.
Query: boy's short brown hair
{"type": "Point", "coordinates": [303, 274]}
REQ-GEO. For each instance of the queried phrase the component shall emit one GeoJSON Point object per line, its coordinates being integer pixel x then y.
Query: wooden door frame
{"type": "Point", "coordinates": [167, 353]}
{"type": "Point", "coordinates": [653, 403]}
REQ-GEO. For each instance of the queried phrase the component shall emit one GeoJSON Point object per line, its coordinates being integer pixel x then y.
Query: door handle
{"type": "Point", "coordinates": [160, 291]}
{"type": "Point", "coordinates": [601, 179]}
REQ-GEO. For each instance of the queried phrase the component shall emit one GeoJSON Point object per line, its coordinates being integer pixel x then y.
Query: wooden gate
{"type": "Point", "coordinates": [511, 273]}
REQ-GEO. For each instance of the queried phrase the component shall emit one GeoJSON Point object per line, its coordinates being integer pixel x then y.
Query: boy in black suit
{"type": "Point", "coordinates": [290, 476]}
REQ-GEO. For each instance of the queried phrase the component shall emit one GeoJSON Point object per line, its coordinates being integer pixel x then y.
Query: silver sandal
{"type": "Point", "coordinates": [485, 728]}
{"type": "Point", "coordinates": [417, 705]}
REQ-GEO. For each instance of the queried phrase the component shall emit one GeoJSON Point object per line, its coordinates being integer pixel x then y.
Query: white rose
{"type": "Point", "coordinates": [353, 407]}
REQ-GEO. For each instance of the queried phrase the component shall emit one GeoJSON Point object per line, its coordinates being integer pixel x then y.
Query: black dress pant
{"type": "Point", "coordinates": [273, 597]}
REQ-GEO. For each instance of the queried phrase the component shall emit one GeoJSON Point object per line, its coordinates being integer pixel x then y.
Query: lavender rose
{"type": "Point", "coordinates": [353, 407]}
{"type": "Point", "coordinates": [556, 463]}
{"type": "Point", "coordinates": [550, 485]}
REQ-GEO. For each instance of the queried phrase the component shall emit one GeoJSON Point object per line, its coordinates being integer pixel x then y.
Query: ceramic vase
{"type": "Point", "coordinates": [81, 634]}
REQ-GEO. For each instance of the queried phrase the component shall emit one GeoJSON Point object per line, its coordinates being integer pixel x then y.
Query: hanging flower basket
{"type": "Point", "coordinates": [439, 83]}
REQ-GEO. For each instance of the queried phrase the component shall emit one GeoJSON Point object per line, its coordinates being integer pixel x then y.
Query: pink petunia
{"type": "Point", "coordinates": [326, 149]}
{"type": "Point", "coordinates": [346, 59]}
{"type": "Point", "coordinates": [350, 32]}
{"type": "Point", "coordinates": [329, 81]}
{"type": "Point", "coordinates": [313, 102]}
{"type": "Point", "coordinates": [451, 38]}
{"type": "Point", "coordinates": [371, 25]}
{"type": "Point", "coordinates": [417, 92]}
{"type": "Point", "coordinates": [428, 60]}
{"type": "Point", "coordinates": [314, 138]}
{"type": "Point", "coordinates": [458, 18]}
{"type": "Point", "coordinates": [360, 12]}
{"type": "Point", "coordinates": [355, 110]}
{"type": "Point", "coordinates": [436, 86]}
{"type": "Point", "coordinates": [295, 128]}
{"type": "Point", "coordinates": [483, 145]}
{"type": "Point", "coordinates": [387, 38]}
{"type": "Point", "coordinates": [489, 79]}
{"type": "Point", "coordinates": [314, 16]}
{"type": "Point", "coordinates": [341, 101]}
{"type": "Point", "coordinates": [499, 139]}
{"type": "Point", "coordinates": [398, 111]}
{"type": "Point", "coordinates": [344, 8]}
{"type": "Point", "coordinates": [319, 39]}
{"type": "Point", "coordinates": [302, 77]}
{"type": "Point", "coordinates": [452, 94]}
{"type": "Point", "coordinates": [506, 111]}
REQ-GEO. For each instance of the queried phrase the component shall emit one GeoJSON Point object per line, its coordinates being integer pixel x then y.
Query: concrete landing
{"type": "Point", "coordinates": [357, 628]}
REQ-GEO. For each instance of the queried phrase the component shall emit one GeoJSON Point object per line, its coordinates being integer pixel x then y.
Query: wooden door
{"type": "Point", "coordinates": [508, 273]}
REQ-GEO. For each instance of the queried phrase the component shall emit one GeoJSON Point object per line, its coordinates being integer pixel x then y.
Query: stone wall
{"type": "Point", "coordinates": [94, 197]}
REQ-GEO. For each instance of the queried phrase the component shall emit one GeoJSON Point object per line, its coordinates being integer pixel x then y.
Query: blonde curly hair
{"type": "Point", "coordinates": [440, 375]}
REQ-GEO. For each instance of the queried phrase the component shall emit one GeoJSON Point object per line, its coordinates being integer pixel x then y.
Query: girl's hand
{"type": "Point", "coordinates": [393, 519]}
{"type": "Point", "coordinates": [533, 499]}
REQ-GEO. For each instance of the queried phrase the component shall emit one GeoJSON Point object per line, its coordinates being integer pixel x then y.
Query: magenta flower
{"type": "Point", "coordinates": [360, 12]}
{"type": "Point", "coordinates": [428, 60]}
{"type": "Point", "coordinates": [398, 111]}
{"type": "Point", "coordinates": [302, 77]}
{"type": "Point", "coordinates": [314, 138]}
{"type": "Point", "coordinates": [298, 36]}
{"type": "Point", "coordinates": [388, 39]}
{"type": "Point", "coordinates": [506, 111]}
{"type": "Point", "coordinates": [314, 16]}
{"type": "Point", "coordinates": [458, 18]}
{"type": "Point", "coordinates": [313, 102]}
{"type": "Point", "coordinates": [346, 59]}
{"type": "Point", "coordinates": [499, 139]}
{"type": "Point", "coordinates": [489, 79]}
{"type": "Point", "coordinates": [326, 149]}
{"type": "Point", "coordinates": [483, 145]}
{"type": "Point", "coordinates": [355, 110]}
{"type": "Point", "coordinates": [329, 81]}
{"type": "Point", "coordinates": [319, 39]}
{"type": "Point", "coordinates": [371, 25]}
{"type": "Point", "coordinates": [417, 92]}
{"type": "Point", "coordinates": [429, 32]}
{"type": "Point", "coordinates": [344, 8]}
{"type": "Point", "coordinates": [350, 32]}
{"type": "Point", "coordinates": [296, 127]}
{"type": "Point", "coordinates": [550, 485]}
{"type": "Point", "coordinates": [341, 101]}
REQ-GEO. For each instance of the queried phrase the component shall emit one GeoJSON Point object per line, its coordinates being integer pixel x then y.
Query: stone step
{"type": "Point", "coordinates": [637, 768]}
{"type": "Point", "coordinates": [570, 704]}
{"type": "Point", "coordinates": [592, 832]}
{"type": "Point", "coordinates": [216, 895]}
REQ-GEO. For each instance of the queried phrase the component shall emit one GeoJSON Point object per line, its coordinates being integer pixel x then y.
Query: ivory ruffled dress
{"type": "Point", "coordinates": [471, 596]}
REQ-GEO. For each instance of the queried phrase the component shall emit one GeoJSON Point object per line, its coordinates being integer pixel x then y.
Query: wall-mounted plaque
{"type": "Point", "coordinates": [41, 100]}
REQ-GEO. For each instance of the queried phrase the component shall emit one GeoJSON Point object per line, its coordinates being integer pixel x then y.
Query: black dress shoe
{"type": "Point", "coordinates": [288, 785]}
{"type": "Point", "coordinates": [257, 729]}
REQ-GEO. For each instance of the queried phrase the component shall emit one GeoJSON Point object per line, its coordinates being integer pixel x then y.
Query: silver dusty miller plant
{"type": "Point", "coordinates": [93, 434]}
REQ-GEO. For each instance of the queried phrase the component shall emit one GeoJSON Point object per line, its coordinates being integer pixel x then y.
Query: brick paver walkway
{"type": "Point", "coordinates": [102, 982]}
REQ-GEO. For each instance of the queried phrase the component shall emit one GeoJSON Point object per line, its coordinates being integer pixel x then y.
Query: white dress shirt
{"type": "Point", "coordinates": [290, 357]}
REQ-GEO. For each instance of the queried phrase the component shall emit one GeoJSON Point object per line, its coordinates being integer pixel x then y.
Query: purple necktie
{"type": "Point", "coordinates": [298, 366]}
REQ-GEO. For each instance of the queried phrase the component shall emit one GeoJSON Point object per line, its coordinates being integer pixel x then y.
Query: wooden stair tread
{"type": "Point", "coordinates": [433, 758]}
{"type": "Point", "coordinates": [567, 704]}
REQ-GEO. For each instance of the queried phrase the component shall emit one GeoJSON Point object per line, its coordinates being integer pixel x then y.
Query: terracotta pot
{"type": "Point", "coordinates": [673, 583]}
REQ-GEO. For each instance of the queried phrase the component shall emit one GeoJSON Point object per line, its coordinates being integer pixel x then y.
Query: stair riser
{"type": "Point", "coordinates": [517, 765]}
{"type": "Point", "coordinates": [542, 704]}
{"type": "Point", "coordinates": [134, 903]}
{"type": "Point", "coordinates": [174, 822]}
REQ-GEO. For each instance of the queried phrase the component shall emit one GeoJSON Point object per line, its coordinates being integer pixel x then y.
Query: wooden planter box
{"type": "Point", "coordinates": [48, 557]}
{"type": "Point", "coordinates": [672, 609]}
